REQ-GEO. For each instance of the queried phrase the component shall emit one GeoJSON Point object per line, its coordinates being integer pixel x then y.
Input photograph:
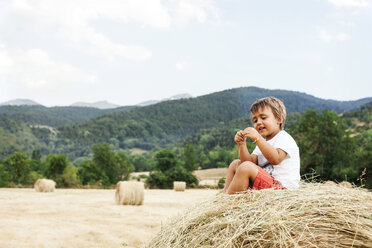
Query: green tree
{"type": "Point", "coordinates": [141, 163]}
{"type": "Point", "coordinates": [125, 167]}
{"type": "Point", "coordinates": [89, 173]}
{"type": "Point", "coordinates": [36, 155]}
{"type": "Point", "coordinates": [32, 177]}
{"type": "Point", "coordinates": [179, 173]}
{"type": "Point", "coordinates": [325, 146]}
{"type": "Point", "coordinates": [165, 160]}
{"type": "Point", "coordinates": [4, 176]}
{"type": "Point", "coordinates": [18, 166]}
{"type": "Point", "coordinates": [157, 179]}
{"type": "Point", "coordinates": [104, 159]}
{"type": "Point", "coordinates": [190, 158]}
{"type": "Point", "coordinates": [364, 157]}
{"type": "Point", "coordinates": [168, 170]}
{"type": "Point", "coordinates": [55, 164]}
{"type": "Point", "coordinates": [70, 176]}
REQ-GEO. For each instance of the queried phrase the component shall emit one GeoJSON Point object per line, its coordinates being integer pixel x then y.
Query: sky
{"type": "Point", "coordinates": [130, 51]}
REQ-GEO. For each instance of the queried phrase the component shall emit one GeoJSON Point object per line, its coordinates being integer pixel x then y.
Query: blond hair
{"type": "Point", "coordinates": [276, 105]}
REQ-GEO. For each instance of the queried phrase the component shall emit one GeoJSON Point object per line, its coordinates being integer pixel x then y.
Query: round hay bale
{"type": "Point", "coordinates": [129, 193]}
{"type": "Point", "coordinates": [45, 185]}
{"type": "Point", "coordinates": [179, 186]}
{"type": "Point", "coordinates": [330, 183]}
{"type": "Point", "coordinates": [345, 184]}
{"type": "Point", "coordinates": [310, 216]}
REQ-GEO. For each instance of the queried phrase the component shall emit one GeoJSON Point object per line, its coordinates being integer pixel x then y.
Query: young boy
{"type": "Point", "coordinates": [275, 162]}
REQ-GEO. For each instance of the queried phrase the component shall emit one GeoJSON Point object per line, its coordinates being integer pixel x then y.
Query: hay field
{"type": "Point", "coordinates": [87, 217]}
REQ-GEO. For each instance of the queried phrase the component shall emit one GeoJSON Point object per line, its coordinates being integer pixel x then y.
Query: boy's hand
{"type": "Point", "coordinates": [251, 133]}
{"type": "Point", "coordinates": [239, 137]}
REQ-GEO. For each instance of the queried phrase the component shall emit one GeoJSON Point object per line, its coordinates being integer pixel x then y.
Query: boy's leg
{"type": "Point", "coordinates": [230, 175]}
{"type": "Point", "coordinates": [244, 176]}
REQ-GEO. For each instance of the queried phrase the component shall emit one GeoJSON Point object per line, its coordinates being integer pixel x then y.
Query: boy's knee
{"type": "Point", "coordinates": [247, 168]}
{"type": "Point", "coordinates": [234, 164]}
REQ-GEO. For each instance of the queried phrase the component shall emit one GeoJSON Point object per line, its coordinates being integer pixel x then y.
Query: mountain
{"type": "Point", "coordinates": [175, 97]}
{"type": "Point", "coordinates": [150, 127]}
{"type": "Point", "coordinates": [157, 125]}
{"type": "Point", "coordinates": [99, 105]}
{"type": "Point", "coordinates": [17, 136]}
{"type": "Point", "coordinates": [55, 116]}
{"type": "Point", "coordinates": [20, 102]}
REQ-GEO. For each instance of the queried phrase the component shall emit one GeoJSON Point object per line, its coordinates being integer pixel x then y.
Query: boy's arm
{"type": "Point", "coordinates": [273, 156]}
{"type": "Point", "coordinates": [244, 154]}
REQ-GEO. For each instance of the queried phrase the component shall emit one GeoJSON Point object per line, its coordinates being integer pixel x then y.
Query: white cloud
{"type": "Point", "coordinates": [329, 70]}
{"type": "Point", "coordinates": [183, 65]}
{"type": "Point", "coordinates": [328, 37]}
{"type": "Point", "coordinates": [349, 24]}
{"type": "Point", "coordinates": [184, 11]}
{"type": "Point", "coordinates": [35, 70]}
{"type": "Point", "coordinates": [349, 3]}
{"type": "Point", "coordinates": [72, 20]}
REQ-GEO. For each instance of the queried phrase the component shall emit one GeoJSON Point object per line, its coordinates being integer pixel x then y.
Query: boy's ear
{"type": "Point", "coordinates": [281, 120]}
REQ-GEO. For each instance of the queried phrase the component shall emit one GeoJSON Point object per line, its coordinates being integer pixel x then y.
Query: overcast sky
{"type": "Point", "coordinates": [57, 52]}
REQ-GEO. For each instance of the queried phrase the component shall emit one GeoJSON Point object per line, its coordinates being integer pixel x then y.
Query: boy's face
{"type": "Point", "coordinates": [265, 122]}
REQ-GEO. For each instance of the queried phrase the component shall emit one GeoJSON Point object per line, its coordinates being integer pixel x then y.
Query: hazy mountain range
{"type": "Point", "coordinates": [100, 104]}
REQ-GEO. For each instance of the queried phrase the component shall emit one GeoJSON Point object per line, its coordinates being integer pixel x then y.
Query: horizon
{"type": "Point", "coordinates": [166, 98]}
{"type": "Point", "coordinates": [127, 52]}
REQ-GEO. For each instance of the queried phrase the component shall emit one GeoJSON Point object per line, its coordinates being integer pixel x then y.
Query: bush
{"type": "Point", "coordinates": [70, 176]}
{"type": "Point", "coordinates": [4, 176]}
{"type": "Point", "coordinates": [32, 177]}
{"type": "Point", "coordinates": [179, 173]}
{"type": "Point", "coordinates": [221, 183]}
{"type": "Point", "coordinates": [158, 179]}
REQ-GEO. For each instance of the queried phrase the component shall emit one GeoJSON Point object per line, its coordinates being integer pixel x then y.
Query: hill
{"type": "Point", "coordinates": [20, 102]}
{"type": "Point", "coordinates": [17, 136]}
{"type": "Point", "coordinates": [175, 97]}
{"type": "Point", "coordinates": [215, 115]}
{"type": "Point", "coordinates": [55, 116]}
{"type": "Point", "coordinates": [154, 126]}
{"type": "Point", "coordinates": [99, 105]}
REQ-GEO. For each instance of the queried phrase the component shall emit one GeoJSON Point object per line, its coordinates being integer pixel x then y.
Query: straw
{"type": "Point", "coordinates": [315, 215]}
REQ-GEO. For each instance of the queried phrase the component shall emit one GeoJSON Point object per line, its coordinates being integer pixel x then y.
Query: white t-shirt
{"type": "Point", "coordinates": [288, 171]}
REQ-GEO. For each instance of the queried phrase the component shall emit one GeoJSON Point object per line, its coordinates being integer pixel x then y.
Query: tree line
{"type": "Point", "coordinates": [332, 147]}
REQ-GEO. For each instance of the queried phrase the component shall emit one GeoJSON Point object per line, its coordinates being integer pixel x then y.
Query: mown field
{"type": "Point", "coordinates": [87, 217]}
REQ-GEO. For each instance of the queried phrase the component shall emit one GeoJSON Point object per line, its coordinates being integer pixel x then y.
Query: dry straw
{"type": "Point", "coordinates": [179, 185]}
{"type": "Point", "coordinates": [129, 193]}
{"type": "Point", "coordinates": [45, 185]}
{"type": "Point", "coordinates": [315, 215]}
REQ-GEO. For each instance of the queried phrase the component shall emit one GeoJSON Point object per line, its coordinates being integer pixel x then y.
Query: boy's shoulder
{"type": "Point", "coordinates": [285, 136]}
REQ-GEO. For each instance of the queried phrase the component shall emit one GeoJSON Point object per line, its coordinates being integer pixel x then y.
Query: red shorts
{"type": "Point", "coordinates": [265, 181]}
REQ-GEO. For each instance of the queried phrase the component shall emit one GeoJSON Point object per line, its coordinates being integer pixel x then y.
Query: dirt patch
{"type": "Point", "coordinates": [211, 174]}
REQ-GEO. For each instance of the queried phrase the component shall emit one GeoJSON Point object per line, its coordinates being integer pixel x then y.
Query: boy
{"type": "Point", "coordinates": [275, 162]}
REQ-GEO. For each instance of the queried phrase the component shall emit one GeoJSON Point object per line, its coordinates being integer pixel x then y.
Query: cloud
{"type": "Point", "coordinates": [72, 20]}
{"type": "Point", "coordinates": [183, 11]}
{"type": "Point", "coordinates": [349, 3]}
{"type": "Point", "coordinates": [328, 37]}
{"type": "Point", "coordinates": [183, 65]}
{"type": "Point", "coordinates": [349, 24]}
{"type": "Point", "coordinates": [35, 70]}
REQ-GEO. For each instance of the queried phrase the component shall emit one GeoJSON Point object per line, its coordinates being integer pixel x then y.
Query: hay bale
{"type": "Point", "coordinates": [45, 185]}
{"type": "Point", "coordinates": [310, 216]}
{"type": "Point", "coordinates": [345, 184]}
{"type": "Point", "coordinates": [179, 186]}
{"type": "Point", "coordinates": [129, 193]}
{"type": "Point", "coordinates": [330, 183]}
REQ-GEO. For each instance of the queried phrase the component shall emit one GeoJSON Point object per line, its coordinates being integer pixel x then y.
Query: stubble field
{"type": "Point", "coordinates": [87, 217]}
